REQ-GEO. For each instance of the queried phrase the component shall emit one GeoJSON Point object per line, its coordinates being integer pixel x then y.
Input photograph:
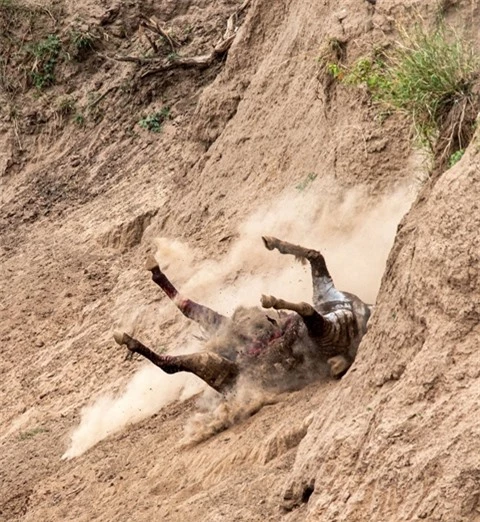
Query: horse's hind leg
{"type": "Point", "coordinates": [302, 309]}
{"type": "Point", "coordinates": [301, 253]}
{"type": "Point", "coordinates": [217, 371]}
{"type": "Point", "coordinates": [315, 323]}
{"type": "Point", "coordinates": [210, 320]}
{"type": "Point", "coordinates": [324, 290]}
{"type": "Point", "coordinates": [316, 259]}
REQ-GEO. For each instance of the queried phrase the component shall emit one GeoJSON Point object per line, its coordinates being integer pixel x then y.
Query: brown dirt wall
{"type": "Point", "coordinates": [396, 439]}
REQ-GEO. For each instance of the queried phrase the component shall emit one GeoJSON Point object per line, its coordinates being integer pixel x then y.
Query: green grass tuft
{"type": "Point", "coordinates": [427, 75]}
{"type": "Point", "coordinates": [81, 44]}
{"type": "Point", "coordinates": [430, 77]}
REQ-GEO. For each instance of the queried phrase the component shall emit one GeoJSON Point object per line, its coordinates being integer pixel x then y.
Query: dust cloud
{"type": "Point", "coordinates": [149, 390]}
{"type": "Point", "coordinates": [354, 231]}
{"type": "Point", "coordinates": [216, 413]}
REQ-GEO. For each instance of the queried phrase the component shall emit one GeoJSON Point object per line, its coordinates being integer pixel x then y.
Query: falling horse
{"type": "Point", "coordinates": [263, 345]}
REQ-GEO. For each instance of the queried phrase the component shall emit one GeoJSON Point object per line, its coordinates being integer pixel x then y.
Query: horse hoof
{"type": "Point", "coordinates": [118, 336]}
{"type": "Point", "coordinates": [151, 263]}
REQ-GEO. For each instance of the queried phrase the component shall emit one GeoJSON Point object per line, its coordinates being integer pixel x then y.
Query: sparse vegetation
{"type": "Point", "coordinates": [16, 18]}
{"type": "Point", "coordinates": [79, 119]}
{"type": "Point", "coordinates": [10, 10]}
{"type": "Point", "coordinates": [172, 57]}
{"type": "Point", "coordinates": [154, 122]}
{"type": "Point", "coordinates": [430, 77]}
{"type": "Point", "coordinates": [29, 434]}
{"type": "Point", "coordinates": [333, 50]}
{"type": "Point", "coordinates": [45, 54]}
{"type": "Point", "coordinates": [305, 183]}
{"type": "Point", "coordinates": [455, 157]}
{"type": "Point", "coordinates": [188, 30]}
{"type": "Point", "coordinates": [66, 106]}
{"type": "Point", "coordinates": [82, 43]}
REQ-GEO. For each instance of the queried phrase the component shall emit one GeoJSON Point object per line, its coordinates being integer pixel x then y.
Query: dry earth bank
{"type": "Point", "coordinates": [397, 438]}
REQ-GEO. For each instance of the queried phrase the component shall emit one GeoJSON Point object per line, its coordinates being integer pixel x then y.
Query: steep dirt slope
{"type": "Point", "coordinates": [79, 211]}
{"type": "Point", "coordinates": [401, 441]}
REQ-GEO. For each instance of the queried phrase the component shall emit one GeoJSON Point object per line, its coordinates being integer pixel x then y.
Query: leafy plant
{"type": "Point", "coordinates": [371, 73]}
{"type": "Point", "coordinates": [21, 63]}
{"type": "Point", "coordinates": [153, 122]}
{"type": "Point", "coordinates": [455, 157]}
{"type": "Point", "coordinates": [335, 70]}
{"type": "Point", "coordinates": [45, 54]}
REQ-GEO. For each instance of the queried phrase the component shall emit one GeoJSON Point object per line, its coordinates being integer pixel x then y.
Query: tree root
{"type": "Point", "coordinates": [157, 65]}
{"type": "Point", "coordinates": [153, 25]}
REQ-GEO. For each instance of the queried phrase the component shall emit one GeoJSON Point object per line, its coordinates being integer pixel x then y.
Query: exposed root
{"type": "Point", "coordinates": [456, 131]}
{"type": "Point", "coordinates": [96, 101]}
{"type": "Point", "coordinates": [157, 65]}
{"type": "Point", "coordinates": [153, 25]}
